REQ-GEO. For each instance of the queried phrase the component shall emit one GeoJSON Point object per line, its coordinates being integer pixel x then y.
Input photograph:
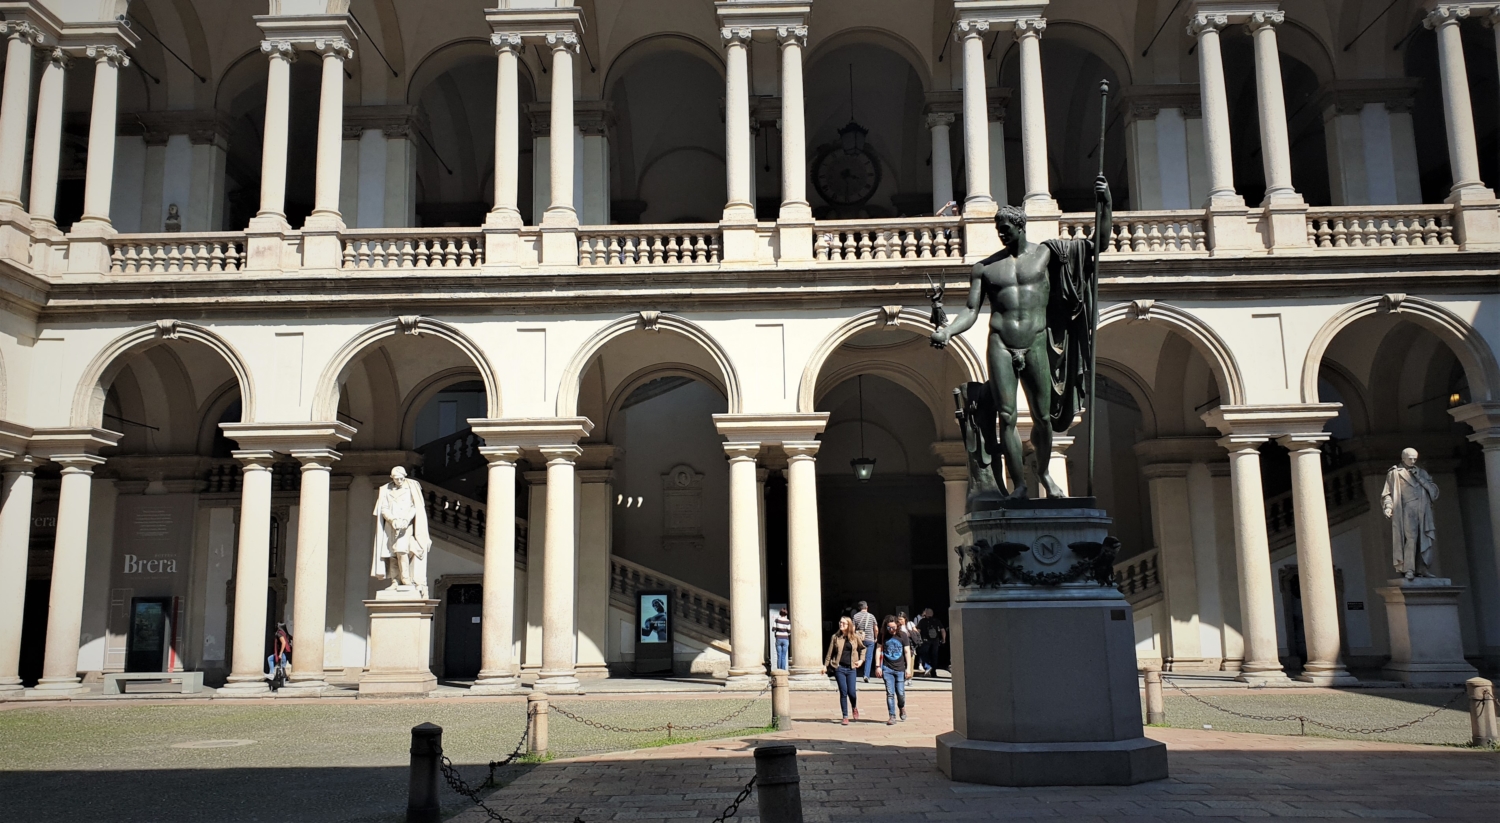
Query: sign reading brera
{"type": "Point", "coordinates": [155, 565]}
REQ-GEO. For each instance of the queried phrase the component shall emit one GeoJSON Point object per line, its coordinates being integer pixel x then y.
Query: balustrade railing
{"type": "Point", "coordinates": [908, 238]}
{"type": "Point", "coordinates": [1343, 496]}
{"type": "Point", "coordinates": [1139, 577]}
{"type": "Point", "coordinates": [1382, 227]}
{"type": "Point", "coordinates": [413, 249]}
{"type": "Point", "coordinates": [227, 477]}
{"type": "Point", "coordinates": [1144, 232]}
{"type": "Point", "coordinates": [176, 253]}
{"type": "Point", "coordinates": [626, 246]}
{"type": "Point", "coordinates": [703, 609]}
{"type": "Point", "coordinates": [450, 456]}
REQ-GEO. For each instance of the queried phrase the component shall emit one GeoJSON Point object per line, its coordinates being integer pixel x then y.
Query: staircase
{"type": "Point", "coordinates": [698, 614]}
{"type": "Point", "coordinates": [462, 521]}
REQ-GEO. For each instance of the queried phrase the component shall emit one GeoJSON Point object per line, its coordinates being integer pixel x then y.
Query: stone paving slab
{"type": "Point", "coordinates": [871, 772]}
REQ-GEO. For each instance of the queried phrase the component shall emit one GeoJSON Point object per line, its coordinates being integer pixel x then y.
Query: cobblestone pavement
{"type": "Point", "coordinates": [873, 773]}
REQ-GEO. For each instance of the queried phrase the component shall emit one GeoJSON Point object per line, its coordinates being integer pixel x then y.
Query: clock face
{"type": "Point", "coordinates": [845, 179]}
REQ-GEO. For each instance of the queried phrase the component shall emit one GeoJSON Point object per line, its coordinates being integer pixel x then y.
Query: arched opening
{"type": "Point", "coordinates": [242, 96]}
{"type": "Point", "coordinates": [882, 171]}
{"type": "Point", "coordinates": [454, 140]}
{"type": "Point", "coordinates": [664, 135]}
{"type": "Point", "coordinates": [1305, 128]}
{"type": "Point", "coordinates": [1429, 120]}
{"type": "Point", "coordinates": [1398, 381]}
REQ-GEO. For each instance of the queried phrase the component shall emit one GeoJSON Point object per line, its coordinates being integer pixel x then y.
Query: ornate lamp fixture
{"type": "Point", "coordinates": [864, 467]}
{"type": "Point", "coordinates": [852, 135]}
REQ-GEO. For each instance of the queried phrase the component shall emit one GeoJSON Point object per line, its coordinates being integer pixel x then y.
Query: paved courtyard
{"type": "Point", "coordinates": [341, 761]}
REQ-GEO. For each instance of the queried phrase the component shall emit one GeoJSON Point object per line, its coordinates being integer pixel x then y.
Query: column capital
{"type": "Point", "coordinates": [1145, 102]}
{"type": "Point", "coordinates": [561, 454]}
{"type": "Point", "coordinates": [254, 460]}
{"type": "Point", "coordinates": [740, 451]}
{"type": "Point", "coordinates": [563, 41]}
{"type": "Point", "coordinates": [316, 459]}
{"type": "Point", "coordinates": [1397, 94]}
{"type": "Point", "coordinates": [1204, 22]}
{"type": "Point", "coordinates": [792, 36]}
{"type": "Point", "coordinates": [500, 455]}
{"type": "Point", "coordinates": [54, 444]}
{"type": "Point", "coordinates": [530, 432]}
{"type": "Point", "coordinates": [57, 57]}
{"type": "Point", "coordinates": [1032, 27]}
{"type": "Point", "coordinates": [1304, 441]}
{"type": "Point", "coordinates": [334, 47]}
{"type": "Point", "coordinates": [1445, 15]}
{"type": "Point", "coordinates": [770, 429]}
{"type": "Point", "coordinates": [506, 41]}
{"type": "Point", "coordinates": [77, 463]}
{"type": "Point", "coordinates": [941, 118]}
{"type": "Point", "coordinates": [1484, 418]}
{"type": "Point", "coordinates": [113, 55]}
{"type": "Point", "coordinates": [1264, 20]}
{"type": "Point", "coordinates": [1274, 420]}
{"type": "Point", "coordinates": [593, 117]}
{"type": "Point", "coordinates": [283, 49]}
{"type": "Point", "coordinates": [800, 450]}
{"type": "Point", "coordinates": [23, 30]}
{"type": "Point", "coordinates": [288, 438]}
{"type": "Point", "coordinates": [14, 440]}
{"type": "Point", "coordinates": [735, 35]}
{"type": "Point", "coordinates": [964, 29]}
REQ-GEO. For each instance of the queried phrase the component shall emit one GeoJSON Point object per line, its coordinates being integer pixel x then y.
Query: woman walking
{"type": "Point", "coordinates": [846, 653]}
{"type": "Point", "coordinates": [908, 631]}
{"type": "Point", "coordinates": [891, 667]}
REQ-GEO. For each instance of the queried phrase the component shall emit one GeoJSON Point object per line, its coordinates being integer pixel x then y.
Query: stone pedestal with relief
{"type": "Point", "coordinates": [400, 644]}
{"type": "Point", "coordinates": [1044, 666]}
{"type": "Point", "coordinates": [1426, 643]}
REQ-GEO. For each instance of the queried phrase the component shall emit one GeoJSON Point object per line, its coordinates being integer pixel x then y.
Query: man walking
{"type": "Point", "coordinates": [865, 623]}
{"type": "Point", "coordinates": [933, 636]}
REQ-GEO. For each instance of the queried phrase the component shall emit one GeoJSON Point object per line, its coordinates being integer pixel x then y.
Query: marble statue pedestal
{"type": "Point", "coordinates": [1426, 644]}
{"type": "Point", "coordinates": [1044, 677]}
{"type": "Point", "coordinates": [400, 645]}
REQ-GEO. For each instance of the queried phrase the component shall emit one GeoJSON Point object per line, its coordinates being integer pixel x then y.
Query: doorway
{"type": "Point", "coordinates": [462, 634]}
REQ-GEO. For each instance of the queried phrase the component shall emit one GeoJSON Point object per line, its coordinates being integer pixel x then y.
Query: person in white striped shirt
{"type": "Point", "coordinates": [865, 623]}
{"type": "Point", "coordinates": [782, 628]}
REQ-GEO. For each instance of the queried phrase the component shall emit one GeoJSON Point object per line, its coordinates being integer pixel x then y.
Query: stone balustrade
{"type": "Point", "coordinates": [1145, 232]}
{"type": "Point", "coordinates": [1382, 227]}
{"type": "Point", "coordinates": [702, 609]}
{"type": "Point", "coordinates": [413, 249]}
{"type": "Point", "coordinates": [1139, 577]}
{"type": "Point", "coordinates": [906, 238]}
{"type": "Point", "coordinates": [635, 246]}
{"type": "Point", "coordinates": [177, 253]}
{"type": "Point", "coordinates": [1343, 494]}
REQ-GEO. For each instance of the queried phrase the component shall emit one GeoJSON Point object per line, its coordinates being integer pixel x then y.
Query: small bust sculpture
{"type": "Point", "coordinates": [174, 219]}
{"type": "Point", "coordinates": [401, 538]}
{"type": "Point", "coordinates": [1407, 500]}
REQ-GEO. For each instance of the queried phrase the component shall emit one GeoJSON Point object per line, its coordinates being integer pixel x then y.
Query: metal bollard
{"type": "Point", "coordinates": [1156, 706]}
{"type": "Point", "coordinates": [422, 802]}
{"type": "Point", "coordinates": [781, 700]}
{"type": "Point", "coordinates": [536, 710]}
{"type": "Point", "coordinates": [778, 787]}
{"type": "Point", "coordinates": [1482, 711]}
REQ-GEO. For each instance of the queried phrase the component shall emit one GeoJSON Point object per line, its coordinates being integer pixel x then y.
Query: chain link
{"type": "Point", "coordinates": [733, 808]}
{"type": "Point", "coordinates": [670, 727]}
{"type": "Point", "coordinates": [1303, 719]}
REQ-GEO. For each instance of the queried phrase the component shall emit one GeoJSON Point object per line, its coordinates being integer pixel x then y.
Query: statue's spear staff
{"type": "Point", "coordinates": [1094, 281]}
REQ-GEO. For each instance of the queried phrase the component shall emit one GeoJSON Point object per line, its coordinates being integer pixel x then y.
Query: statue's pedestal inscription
{"type": "Point", "coordinates": [1044, 667]}
{"type": "Point", "coordinates": [1426, 644]}
{"type": "Point", "coordinates": [400, 644]}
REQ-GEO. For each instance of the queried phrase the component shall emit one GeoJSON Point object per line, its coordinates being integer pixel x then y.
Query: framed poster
{"type": "Point", "coordinates": [653, 634]}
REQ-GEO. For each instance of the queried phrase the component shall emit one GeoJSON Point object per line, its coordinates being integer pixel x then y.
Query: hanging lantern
{"type": "Point", "coordinates": [864, 467]}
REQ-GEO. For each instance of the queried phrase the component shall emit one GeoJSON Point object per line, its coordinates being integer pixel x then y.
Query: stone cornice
{"type": "Point", "coordinates": [535, 24]}
{"type": "Point", "coordinates": [768, 16]}
{"type": "Point", "coordinates": [531, 433]}
{"type": "Point", "coordinates": [288, 437]}
{"type": "Point", "coordinates": [770, 428]}
{"type": "Point", "coordinates": [1350, 96]}
{"type": "Point", "coordinates": [1272, 420]}
{"type": "Point", "coordinates": [997, 15]}
{"type": "Point", "coordinates": [1146, 101]}
{"type": "Point", "coordinates": [52, 443]}
{"type": "Point", "coordinates": [46, 25]}
{"type": "Point", "coordinates": [13, 439]}
{"type": "Point", "coordinates": [309, 32]}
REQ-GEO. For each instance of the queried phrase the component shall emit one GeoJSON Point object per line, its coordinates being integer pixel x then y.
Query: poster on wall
{"type": "Point", "coordinates": [653, 641]}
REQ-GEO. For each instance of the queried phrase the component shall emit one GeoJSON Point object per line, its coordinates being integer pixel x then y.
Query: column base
{"type": "Point", "coordinates": [322, 247]}
{"type": "Point", "coordinates": [15, 234]}
{"type": "Point", "coordinates": [496, 684]}
{"type": "Point", "coordinates": [265, 243]}
{"type": "Point", "coordinates": [243, 688]}
{"type": "Point", "coordinates": [741, 241]}
{"type": "Point", "coordinates": [591, 671]}
{"type": "Point", "coordinates": [556, 683]}
{"type": "Point", "coordinates": [980, 236]}
{"type": "Point", "coordinates": [1476, 218]}
{"type": "Point", "coordinates": [559, 242]}
{"type": "Point", "coordinates": [1285, 219]}
{"type": "Point", "coordinates": [1229, 226]}
{"type": "Point", "coordinates": [305, 688]}
{"type": "Point", "coordinates": [1329, 677]}
{"type": "Point", "coordinates": [746, 682]}
{"type": "Point", "coordinates": [794, 235]}
{"type": "Point", "coordinates": [1264, 679]}
{"type": "Point", "coordinates": [502, 239]}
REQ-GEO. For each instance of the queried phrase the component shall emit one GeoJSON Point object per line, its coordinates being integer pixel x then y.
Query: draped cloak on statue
{"type": "Point", "coordinates": [401, 525]}
{"type": "Point", "coordinates": [1070, 327]}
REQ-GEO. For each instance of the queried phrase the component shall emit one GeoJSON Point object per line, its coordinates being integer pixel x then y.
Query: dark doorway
{"type": "Point", "coordinates": [1291, 605]}
{"type": "Point", "coordinates": [461, 638]}
{"type": "Point", "coordinates": [34, 630]}
{"type": "Point", "coordinates": [150, 633]}
{"type": "Point", "coordinates": [929, 564]}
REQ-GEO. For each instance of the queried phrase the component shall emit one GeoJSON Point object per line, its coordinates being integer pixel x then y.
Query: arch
{"type": "Point", "coordinates": [441, 59]}
{"type": "Point", "coordinates": [1134, 385]}
{"type": "Point", "coordinates": [418, 398]}
{"type": "Point", "coordinates": [641, 377]}
{"type": "Point", "coordinates": [899, 373]}
{"type": "Point", "coordinates": [873, 319]}
{"type": "Point", "coordinates": [652, 45]}
{"type": "Point", "coordinates": [88, 397]}
{"type": "Point", "coordinates": [870, 35]}
{"type": "Point", "coordinates": [572, 376]}
{"type": "Point", "coordinates": [1461, 337]}
{"type": "Point", "coordinates": [1208, 343]}
{"type": "Point", "coordinates": [326, 395]}
{"type": "Point", "coordinates": [1090, 38]}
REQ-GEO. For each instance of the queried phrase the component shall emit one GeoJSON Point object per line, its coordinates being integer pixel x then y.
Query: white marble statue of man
{"type": "Point", "coordinates": [401, 538]}
{"type": "Point", "coordinates": [1407, 500]}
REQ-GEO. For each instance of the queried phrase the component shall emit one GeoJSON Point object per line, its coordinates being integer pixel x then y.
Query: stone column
{"type": "Point", "coordinates": [15, 539]}
{"type": "Point", "coordinates": [559, 223]}
{"type": "Point", "coordinates": [1228, 229]}
{"type": "Point", "coordinates": [999, 100]}
{"type": "Point", "coordinates": [69, 559]}
{"type": "Point", "coordinates": [1484, 419]}
{"type": "Point", "coordinates": [310, 604]}
{"type": "Point", "coordinates": [976, 118]}
{"type": "Point", "coordinates": [558, 641]}
{"type": "Point", "coordinates": [593, 119]}
{"type": "Point", "coordinates": [321, 246]}
{"type": "Point", "coordinates": [1477, 223]}
{"type": "Point", "coordinates": [595, 506]}
{"type": "Point", "coordinates": [737, 149]}
{"type": "Point", "coordinates": [1320, 606]}
{"type": "Point", "coordinates": [1285, 208]}
{"type": "Point", "coordinates": [1034, 117]}
{"type": "Point", "coordinates": [1253, 556]}
{"type": "Point", "coordinates": [14, 108]}
{"type": "Point", "coordinates": [1171, 524]}
{"type": "Point", "coordinates": [805, 596]}
{"type": "Point", "coordinates": [280, 55]}
{"type": "Point", "coordinates": [251, 576]}
{"type": "Point", "coordinates": [497, 668]}
{"type": "Point", "coordinates": [794, 223]}
{"type": "Point", "coordinates": [955, 504]}
{"type": "Point", "coordinates": [939, 123]}
{"type": "Point", "coordinates": [99, 177]}
{"type": "Point", "coordinates": [507, 210]}
{"type": "Point", "coordinates": [47, 144]}
{"type": "Point", "coordinates": [747, 662]}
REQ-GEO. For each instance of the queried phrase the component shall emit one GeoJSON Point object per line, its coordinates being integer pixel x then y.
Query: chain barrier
{"type": "Point", "coordinates": [669, 728]}
{"type": "Point", "coordinates": [1305, 721]}
{"type": "Point", "coordinates": [460, 786]}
